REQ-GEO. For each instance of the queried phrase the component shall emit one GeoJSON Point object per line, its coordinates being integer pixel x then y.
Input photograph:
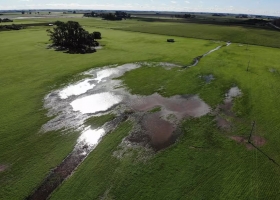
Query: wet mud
{"type": "Point", "coordinates": [180, 106]}
{"type": "Point", "coordinates": [160, 132]}
{"type": "Point", "coordinates": [224, 116]}
{"type": "Point", "coordinates": [224, 111]}
{"type": "Point", "coordinates": [3, 168]}
{"type": "Point", "coordinates": [223, 123]}
{"type": "Point", "coordinates": [160, 129]}
{"type": "Point", "coordinates": [258, 141]}
{"type": "Point", "coordinates": [207, 78]}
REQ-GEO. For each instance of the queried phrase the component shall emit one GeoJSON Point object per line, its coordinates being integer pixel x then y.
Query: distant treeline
{"type": "Point", "coordinates": [241, 16]}
{"type": "Point", "coordinates": [276, 22]}
{"type": "Point", "coordinates": [219, 15]}
{"type": "Point", "coordinates": [118, 15]}
{"type": "Point", "coordinates": [259, 22]}
{"type": "Point", "coordinates": [11, 27]}
{"type": "Point", "coordinates": [5, 20]}
{"type": "Point", "coordinates": [183, 16]}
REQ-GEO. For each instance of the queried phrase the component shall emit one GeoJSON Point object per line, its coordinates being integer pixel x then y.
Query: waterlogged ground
{"type": "Point", "coordinates": [103, 93]}
{"type": "Point", "coordinates": [156, 118]}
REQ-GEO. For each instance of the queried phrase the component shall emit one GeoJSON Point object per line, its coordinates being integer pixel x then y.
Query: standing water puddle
{"type": "Point", "coordinates": [76, 89]}
{"type": "Point", "coordinates": [228, 102]}
{"type": "Point", "coordinates": [160, 126]}
{"type": "Point", "coordinates": [225, 109]}
{"type": "Point", "coordinates": [96, 102]}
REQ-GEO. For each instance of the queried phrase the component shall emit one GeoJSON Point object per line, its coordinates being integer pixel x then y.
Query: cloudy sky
{"type": "Point", "coordinates": [267, 7]}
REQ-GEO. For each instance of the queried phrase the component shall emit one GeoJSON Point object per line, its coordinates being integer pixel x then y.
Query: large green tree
{"type": "Point", "coordinates": [73, 37]}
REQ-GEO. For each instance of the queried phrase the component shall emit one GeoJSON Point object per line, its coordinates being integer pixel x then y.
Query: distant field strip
{"type": "Point", "coordinates": [235, 34]}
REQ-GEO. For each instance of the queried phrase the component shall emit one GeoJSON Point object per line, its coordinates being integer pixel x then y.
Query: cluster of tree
{"type": "Point", "coordinates": [11, 27]}
{"type": "Point", "coordinates": [258, 22]}
{"type": "Point", "coordinates": [72, 37]}
{"type": "Point", "coordinates": [5, 20]}
{"type": "Point", "coordinates": [184, 16]}
{"type": "Point", "coordinates": [23, 12]}
{"type": "Point", "coordinates": [92, 14]}
{"type": "Point", "coordinates": [242, 16]}
{"type": "Point", "coordinates": [118, 15]}
{"type": "Point", "coordinates": [110, 16]}
{"type": "Point", "coordinates": [122, 14]}
{"type": "Point", "coordinates": [276, 22]}
{"type": "Point", "coordinates": [218, 15]}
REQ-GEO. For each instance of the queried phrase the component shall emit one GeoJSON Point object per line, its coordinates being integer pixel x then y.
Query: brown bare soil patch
{"type": "Point", "coordinates": [223, 123]}
{"type": "Point", "coordinates": [256, 140]}
{"type": "Point", "coordinates": [3, 168]}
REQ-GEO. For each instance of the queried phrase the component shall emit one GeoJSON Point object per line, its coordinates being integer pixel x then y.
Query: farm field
{"type": "Point", "coordinates": [233, 33]}
{"type": "Point", "coordinates": [207, 161]}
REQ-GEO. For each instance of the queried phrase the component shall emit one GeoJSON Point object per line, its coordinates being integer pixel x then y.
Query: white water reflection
{"type": "Point", "coordinates": [211, 51]}
{"type": "Point", "coordinates": [90, 138]}
{"type": "Point", "coordinates": [106, 73]}
{"type": "Point", "coordinates": [76, 89]}
{"type": "Point", "coordinates": [96, 103]}
{"type": "Point", "coordinates": [234, 92]}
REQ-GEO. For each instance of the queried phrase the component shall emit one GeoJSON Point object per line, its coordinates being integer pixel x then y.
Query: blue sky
{"type": "Point", "coordinates": [267, 7]}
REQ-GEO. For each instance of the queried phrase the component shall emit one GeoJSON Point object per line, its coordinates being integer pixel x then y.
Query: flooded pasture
{"type": "Point", "coordinates": [73, 104]}
{"type": "Point", "coordinates": [224, 111]}
{"type": "Point", "coordinates": [102, 93]}
{"type": "Point", "coordinates": [226, 107]}
{"type": "Point", "coordinates": [225, 115]}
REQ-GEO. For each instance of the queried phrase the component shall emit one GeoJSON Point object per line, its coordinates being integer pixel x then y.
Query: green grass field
{"type": "Point", "coordinates": [221, 169]}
